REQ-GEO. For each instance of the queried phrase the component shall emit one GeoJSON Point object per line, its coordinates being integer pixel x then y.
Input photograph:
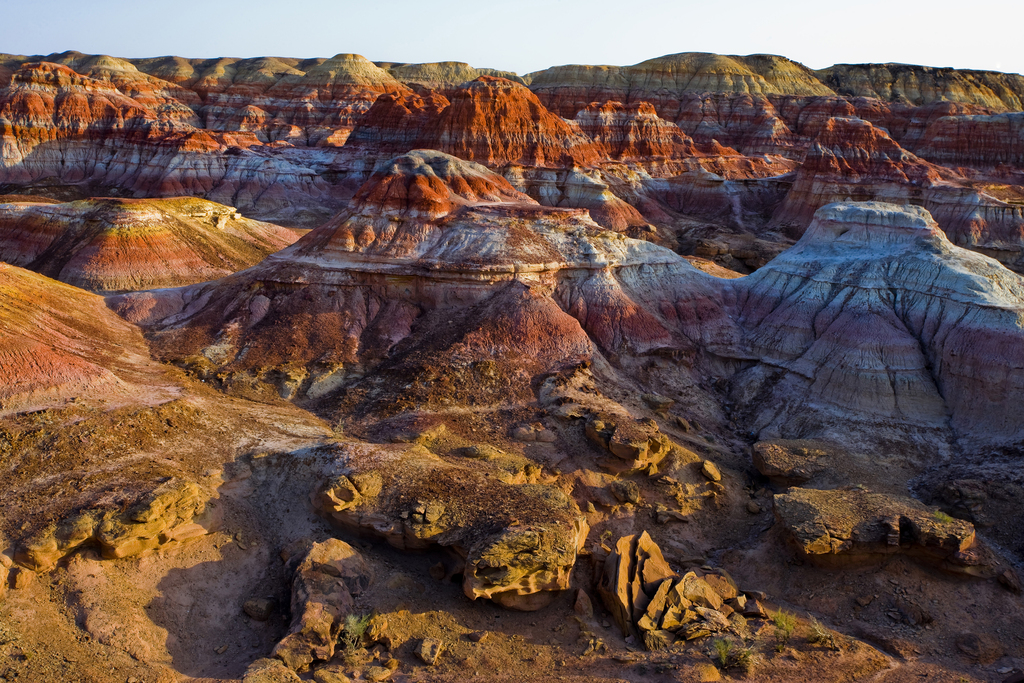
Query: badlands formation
{"type": "Point", "coordinates": [705, 368]}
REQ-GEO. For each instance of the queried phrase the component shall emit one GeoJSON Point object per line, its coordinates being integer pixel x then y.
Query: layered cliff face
{"type": "Point", "coordinates": [61, 128]}
{"type": "Point", "coordinates": [661, 81]}
{"type": "Point", "coordinates": [109, 245]}
{"type": "Point", "coordinates": [922, 84]}
{"type": "Point", "coordinates": [324, 103]}
{"type": "Point", "coordinates": [851, 159]}
{"type": "Point", "coordinates": [527, 133]}
{"type": "Point", "coordinates": [653, 150]}
{"type": "Point", "coordinates": [634, 132]}
{"type": "Point", "coordinates": [874, 321]}
{"type": "Point", "coordinates": [976, 141]}
{"type": "Point", "coordinates": [60, 345]}
{"type": "Point", "coordinates": [710, 97]}
{"type": "Point", "coordinates": [490, 120]}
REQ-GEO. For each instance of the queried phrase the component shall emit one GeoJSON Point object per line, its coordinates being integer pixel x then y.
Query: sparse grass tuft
{"type": "Point", "coordinates": [729, 655]}
{"type": "Point", "coordinates": [822, 636]}
{"type": "Point", "coordinates": [723, 651]}
{"type": "Point", "coordinates": [785, 625]}
{"type": "Point", "coordinates": [941, 516]}
{"type": "Point", "coordinates": [746, 660]}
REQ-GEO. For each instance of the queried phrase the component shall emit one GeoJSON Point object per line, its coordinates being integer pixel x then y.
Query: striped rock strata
{"type": "Point", "coordinates": [111, 245]}
{"type": "Point", "coordinates": [60, 344]}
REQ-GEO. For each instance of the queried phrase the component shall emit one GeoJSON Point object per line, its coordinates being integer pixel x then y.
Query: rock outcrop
{"type": "Point", "coordinates": [647, 598]}
{"type": "Point", "coordinates": [495, 122]}
{"type": "Point", "coordinates": [538, 283]}
{"type": "Point", "coordinates": [875, 316]}
{"type": "Point", "coordinates": [442, 75]}
{"type": "Point", "coordinates": [326, 578]}
{"type": "Point", "coordinates": [855, 524]}
{"type": "Point", "coordinates": [68, 129]}
{"type": "Point", "coordinates": [923, 84]}
{"type": "Point", "coordinates": [977, 141]}
{"type": "Point", "coordinates": [634, 132]}
{"type": "Point", "coordinates": [662, 81]}
{"type": "Point", "coordinates": [851, 159]}
{"type": "Point", "coordinates": [109, 245]}
{"type": "Point", "coordinates": [518, 541]}
{"type": "Point", "coordinates": [794, 461]}
{"type": "Point", "coordinates": [174, 511]}
{"type": "Point", "coordinates": [289, 140]}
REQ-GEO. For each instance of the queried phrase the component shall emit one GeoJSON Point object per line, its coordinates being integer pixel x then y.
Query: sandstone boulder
{"type": "Point", "coordinates": [855, 523]}
{"type": "Point", "coordinates": [174, 511]}
{"type": "Point", "coordinates": [519, 541]}
{"type": "Point", "coordinates": [325, 581]}
{"type": "Point", "coordinates": [269, 671]}
{"type": "Point", "coordinates": [647, 599]}
{"type": "Point", "coordinates": [636, 445]}
{"type": "Point", "coordinates": [789, 462]}
{"type": "Point", "coordinates": [429, 650]}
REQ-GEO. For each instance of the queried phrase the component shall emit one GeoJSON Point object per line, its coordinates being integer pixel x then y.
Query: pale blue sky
{"type": "Point", "coordinates": [527, 35]}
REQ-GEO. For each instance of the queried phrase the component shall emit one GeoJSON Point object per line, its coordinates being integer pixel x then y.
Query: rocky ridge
{"type": "Point", "coordinates": [171, 242]}
{"type": "Point", "coordinates": [290, 140]}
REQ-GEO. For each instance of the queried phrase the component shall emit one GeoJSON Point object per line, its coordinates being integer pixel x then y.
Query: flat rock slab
{"type": "Point", "coordinates": [851, 523]}
{"type": "Point", "coordinates": [790, 461]}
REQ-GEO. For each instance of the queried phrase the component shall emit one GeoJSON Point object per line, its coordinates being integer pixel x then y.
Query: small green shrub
{"type": "Point", "coordinates": [745, 660]}
{"type": "Point", "coordinates": [941, 516]}
{"type": "Point", "coordinates": [785, 625]}
{"type": "Point", "coordinates": [723, 651]}
{"type": "Point", "coordinates": [729, 655]}
{"type": "Point", "coordinates": [351, 636]}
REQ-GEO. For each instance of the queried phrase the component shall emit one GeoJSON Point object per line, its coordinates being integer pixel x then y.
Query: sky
{"type": "Point", "coordinates": [527, 35]}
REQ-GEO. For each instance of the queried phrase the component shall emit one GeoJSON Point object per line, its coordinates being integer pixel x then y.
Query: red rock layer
{"type": "Point", "coordinates": [288, 140]}
{"type": "Point", "coordinates": [58, 125]}
{"type": "Point", "coordinates": [904, 123]}
{"type": "Point", "coordinates": [495, 121]}
{"type": "Point", "coordinates": [60, 344]}
{"type": "Point", "coordinates": [635, 131]}
{"type": "Point", "coordinates": [395, 124]}
{"type": "Point", "coordinates": [130, 244]}
{"type": "Point", "coordinates": [974, 141]}
{"type": "Point", "coordinates": [433, 251]}
{"type": "Point", "coordinates": [851, 158]}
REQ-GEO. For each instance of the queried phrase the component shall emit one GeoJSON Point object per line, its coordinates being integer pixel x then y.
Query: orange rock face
{"type": "Point", "coordinates": [634, 131]}
{"type": "Point", "coordinates": [495, 121]}
{"type": "Point", "coordinates": [851, 159]}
